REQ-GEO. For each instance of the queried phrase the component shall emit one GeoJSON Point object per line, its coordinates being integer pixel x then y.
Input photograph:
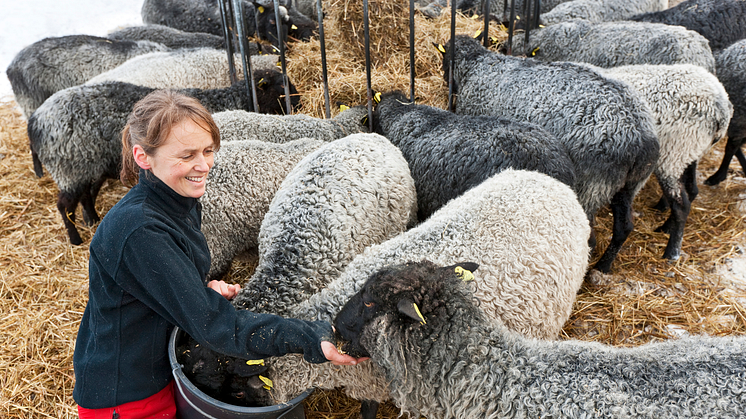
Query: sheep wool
{"type": "Point", "coordinates": [613, 44]}
{"type": "Point", "coordinates": [52, 64]}
{"type": "Point", "coordinates": [597, 11]}
{"type": "Point", "coordinates": [452, 361]}
{"type": "Point", "coordinates": [527, 232]}
{"type": "Point", "coordinates": [171, 37]}
{"type": "Point", "coordinates": [605, 127]}
{"type": "Point", "coordinates": [731, 71]}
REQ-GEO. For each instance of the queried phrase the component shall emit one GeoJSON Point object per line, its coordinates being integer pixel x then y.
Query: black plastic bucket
{"type": "Point", "coordinates": [192, 403]}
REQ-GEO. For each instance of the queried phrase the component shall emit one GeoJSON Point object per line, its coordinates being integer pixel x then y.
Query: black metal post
{"type": "Point", "coordinates": [248, 75]}
{"type": "Point", "coordinates": [366, 35]}
{"type": "Point", "coordinates": [411, 51]}
{"type": "Point", "coordinates": [452, 55]}
{"type": "Point", "coordinates": [511, 27]}
{"type": "Point", "coordinates": [285, 80]}
{"type": "Point", "coordinates": [322, 44]}
{"type": "Point", "coordinates": [228, 36]}
{"type": "Point", "coordinates": [537, 12]}
{"type": "Point", "coordinates": [527, 23]}
{"type": "Point", "coordinates": [486, 12]}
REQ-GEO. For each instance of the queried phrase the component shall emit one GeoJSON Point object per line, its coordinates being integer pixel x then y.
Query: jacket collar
{"type": "Point", "coordinates": [164, 194]}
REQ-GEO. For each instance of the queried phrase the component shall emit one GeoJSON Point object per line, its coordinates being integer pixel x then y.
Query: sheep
{"type": "Point", "coordinates": [606, 128]}
{"type": "Point", "coordinates": [339, 199]}
{"type": "Point", "coordinates": [613, 44]}
{"type": "Point", "coordinates": [282, 128]}
{"type": "Point", "coordinates": [201, 68]}
{"type": "Point", "coordinates": [527, 232]}
{"type": "Point", "coordinates": [691, 111]}
{"type": "Point", "coordinates": [52, 64]}
{"type": "Point", "coordinates": [444, 358]}
{"type": "Point", "coordinates": [497, 9]}
{"type": "Point", "coordinates": [597, 11]}
{"type": "Point", "coordinates": [731, 71]}
{"type": "Point", "coordinates": [172, 37]}
{"type": "Point", "coordinates": [722, 22]}
{"type": "Point", "coordinates": [76, 135]}
{"type": "Point", "coordinates": [449, 154]}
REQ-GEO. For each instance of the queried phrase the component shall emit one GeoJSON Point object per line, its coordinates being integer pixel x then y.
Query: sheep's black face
{"type": "Point", "coordinates": [351, 320]}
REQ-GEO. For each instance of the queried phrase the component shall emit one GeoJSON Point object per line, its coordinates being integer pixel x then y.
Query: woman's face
{"type": "Point", "coordinates": [184, 159]}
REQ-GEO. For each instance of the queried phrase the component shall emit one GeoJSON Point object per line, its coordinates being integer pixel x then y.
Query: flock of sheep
{"type": "Point", "coordinates": [509, 184]}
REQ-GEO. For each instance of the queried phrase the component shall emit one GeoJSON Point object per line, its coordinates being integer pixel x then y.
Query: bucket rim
{"type": "Point", "coordinates": [182, 379]}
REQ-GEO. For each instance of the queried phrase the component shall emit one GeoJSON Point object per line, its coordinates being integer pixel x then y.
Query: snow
{"type": "Point", "coordinates": [24, 22]}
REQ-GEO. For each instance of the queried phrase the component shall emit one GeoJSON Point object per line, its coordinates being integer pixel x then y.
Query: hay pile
{"type": "Point", "coordinates": [43, 280]}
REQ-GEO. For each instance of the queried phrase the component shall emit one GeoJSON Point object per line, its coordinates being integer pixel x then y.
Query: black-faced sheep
{"type": "Point", "coordinates": [606, 128]}
{"type": "Point", "coordinates": [601, 10]}
{"type": "Point", "coordinates": [52, 64]}
{"type": "Point", "coordinates": [76, 135]}
{"type": "Point", "coordinates": [449, 154]}
{"type": "Point", "coordinates": [443, 358]}
{"type": "Point", "coordinates": [722, 22]}
{"type": "Point", "coordinates": [731, 71]}
{"type": "Point", "coordinates": [612, 44]}
{"type": "Point", "coordinates": [527, 232]}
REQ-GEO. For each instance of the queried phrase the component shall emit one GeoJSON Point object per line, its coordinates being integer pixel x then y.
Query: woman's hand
{"type": "Point", "coordinates": [332, 354]}
{"type": "Point", "coordinates": [226, 290]}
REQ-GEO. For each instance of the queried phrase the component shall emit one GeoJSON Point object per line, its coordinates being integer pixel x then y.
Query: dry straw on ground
{"type": "Point", "coordinates": [43, 280]}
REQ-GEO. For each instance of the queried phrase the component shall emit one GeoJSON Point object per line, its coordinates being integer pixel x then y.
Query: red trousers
{"type": "Point", "coordinates": [159, 405]}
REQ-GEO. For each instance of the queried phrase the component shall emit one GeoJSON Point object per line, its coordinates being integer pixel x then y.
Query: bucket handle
{"type": "Point", "coordinates": [184, 396]}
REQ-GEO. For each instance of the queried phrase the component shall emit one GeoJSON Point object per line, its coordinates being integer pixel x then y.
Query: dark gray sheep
{"type": "Point", "coordinates": [612, 44]}
{"type": "Point", "coordinates": [449, 154]}
{"type": "Point", "coordinates": [731, 71]}
{"type": "Point", "coordinates": [601, 10]}
{"type": "Point", "coordinates": [722, 22]}
{"type": "Point", "coordinates": [173, 38]}
{"type": "Point", "coordinates": [52, 64]}
{"type": "Point", "coordinates": [443, 358]}
{"type": "Point", "coordinates": [76, 135]}
{"type": "Point", "coordinates": [604, 125]}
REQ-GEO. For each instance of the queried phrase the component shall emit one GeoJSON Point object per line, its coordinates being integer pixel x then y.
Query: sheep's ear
{"type": "Point", "coordinates": [409, 308]}
{"type": "Point", "coordinates": [464, 271]}
{"type": "Point", "coordinates": [260, 9]}
{"type": "Point", "coordinates": [440, 48]}
{"type": "Point", "coordinates": [479, 35]}
{"type": "Point", "coordinates": [364, 121]}
{"type": "Point", "coordinates": [261, 83]}
{"type": "Point", "coordinates": [343, 107]}
{"type": "Point", "coordinates": [377, 98]}
{"type": "Point", "coordinates": [534, 52]}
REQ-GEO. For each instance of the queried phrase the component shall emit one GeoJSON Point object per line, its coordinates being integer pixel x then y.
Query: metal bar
{"type": "Point", "coordinates": [527, 24]}
{"type": "Point", "coordinates": [511, 27]}
{"type": "Point", "coordinates": [281, 41]}
{"type": "Point", "coordinates": [411, 51]}
{"type": "Point", "coordinates": [486, 13]}
{"type": "Point", "coordinates": [228, 36]}
{"type": "Point", "coordinates": [366, 35]}
{"type": "Point", "coordinates": [505, 10]}
{"type": "Point", "coordinates": [324, 75]}
{"type": "Point", "coordinates": [248, 75]}
{"type": "Point", "coordinates": [452, 54]}
{"type": "Point", "coordinates": [537, 12]}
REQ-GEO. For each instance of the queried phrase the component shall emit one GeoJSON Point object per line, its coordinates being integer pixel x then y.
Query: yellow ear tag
{"type": "Point", "coordinates": [255, 362]}
{"type": "Point", "coordinates": [293, 27]}
{"type": "Point", "coordinates": [493, 39]}
{"type": "Point", "coordinates": [377, 97]}
{"type": "Point", "coordinates": [463, 274]}
{"type": "Point", "coordinates": [261, 82]}
{"type": "Point", "coordinates": [261, 9]}
{"type": "Point", "coordinates": [417, 309]}
{"type": "Point", "coordinates": [541, 26]}
{"type": "Point", "coordinates": [477, 33]}
{"type": "Point", "coordinates": [267, 382]}
{"type": "Point", "coordinates": [517, 17]}
{"type": "Point", "coordinates": [533, 53]}
{"type": "Point", "coordinates": [343, 108]}
{"type": "Point", "coordinates": [441, 48]}
{"type": "Point", "coordinates": [475, 16]}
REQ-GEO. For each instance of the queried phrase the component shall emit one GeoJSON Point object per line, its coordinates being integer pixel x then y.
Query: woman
{"type": "Point", "coordinates": [148, 263]}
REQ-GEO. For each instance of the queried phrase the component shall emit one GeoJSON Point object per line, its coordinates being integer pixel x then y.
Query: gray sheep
{"type": "Point", "coordinates": [201, 68]}
{"type": "Point", "coordinates": [731, 71]}
{"type": "Point", "coordinates": [529, 235]}
{"type": "Point", "coordinates": [246, 176]}
{"type": "Point", "coordinates": [604, 125]}
{"type": "Point", "coordinates": [691, 111]}
{"type": "Point", "coordinates": [449, 154]}
{"type": "Point", "coordinates": [76, 135]}
{"type": "Point", "coordinates": [173, 38]}
{"type": "Point", "coordinates": [52, 64]}
{"type": "Point", "coordinates": [601, 10]}
{"type": "Point", "coordinates": [612, 44]}
{"type": "Point", "coordinates": [722, 22]}
{"type": "Point", "coordinates": [444, 358]}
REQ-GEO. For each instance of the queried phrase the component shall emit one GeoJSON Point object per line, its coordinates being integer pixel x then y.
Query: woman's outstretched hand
{"type": "Point", "coordinates": [332, 354]}
{"type": "Point", "coordinates": [226, 290]}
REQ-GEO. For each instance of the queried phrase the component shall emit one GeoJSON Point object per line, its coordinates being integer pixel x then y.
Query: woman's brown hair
{"type": "Point", "coordinates": [151, 121]}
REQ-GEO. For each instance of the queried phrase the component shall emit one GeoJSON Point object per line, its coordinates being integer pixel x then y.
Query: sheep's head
{"type": "Point", "coordinates": [386, 104]}
{"type": "Point", "coordinates": [408, 294]}
{"type": "Point", "coordinates": [465, 46]}
{"type": "Point", "coordinates": [270, 92]}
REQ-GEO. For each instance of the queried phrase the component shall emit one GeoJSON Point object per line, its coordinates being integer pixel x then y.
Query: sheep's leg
{"type": "Point", "coordinates": [674, 226]}
{"type": "Point", "coordinates": [38, 168]}
{"type": "Point", "coordinates": [368, 409]}
{"type": "Point", "coordinates": [66, 204]}
{"type": "Point", "coordinates": [732, 148]}
{"type": "Point", "coordinates": [662, 204]}
{"type": "Point", "coordinates": [88, 201]}
{"type": "Point", "coordinates": [741, 159]}
{"type": "Point", "coordinates": [621, 209]}
{"type": "Point", "coordinates": [690, 180]}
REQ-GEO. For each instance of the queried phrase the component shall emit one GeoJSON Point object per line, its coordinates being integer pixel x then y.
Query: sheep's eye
{"type": "Point", "coordinates": [369, 304]}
